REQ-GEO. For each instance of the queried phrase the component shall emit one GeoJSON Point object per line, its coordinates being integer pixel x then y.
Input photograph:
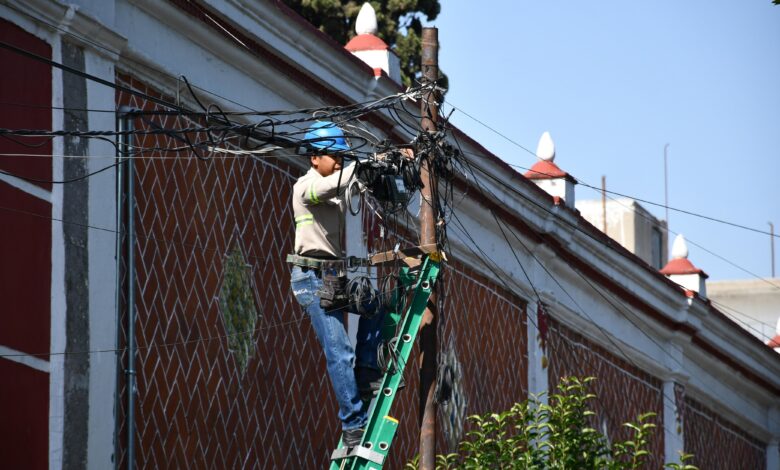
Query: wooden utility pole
{"type": "Point", "coordinates": [428, 359]}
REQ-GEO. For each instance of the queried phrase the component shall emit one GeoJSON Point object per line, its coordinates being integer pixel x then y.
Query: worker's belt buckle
{"type": "Point", "coordinates": [306, 261]}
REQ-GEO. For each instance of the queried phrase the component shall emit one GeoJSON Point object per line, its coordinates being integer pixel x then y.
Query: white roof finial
{"type": "Point", "coordinates": [680, 247]}
{"type": "Point", "coordinates": [546, 148]}
{"type": "Point", "coordinates": [366, 20]}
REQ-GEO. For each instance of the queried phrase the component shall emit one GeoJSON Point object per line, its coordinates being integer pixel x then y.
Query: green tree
{"type": "Point", "coordinates": [557, 435]}
{"type": "Point", "coordinates": [399, 22]}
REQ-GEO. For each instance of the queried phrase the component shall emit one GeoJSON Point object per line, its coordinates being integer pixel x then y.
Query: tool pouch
{"type": "Point", "coordinates": [333, 294]}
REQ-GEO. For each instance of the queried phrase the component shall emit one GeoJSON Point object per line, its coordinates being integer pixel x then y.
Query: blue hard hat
{"type": "Point", "coordinates": [326, 135]}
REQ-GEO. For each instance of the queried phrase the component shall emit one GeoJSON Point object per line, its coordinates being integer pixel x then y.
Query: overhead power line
{"type": "Point", "coordinates": [69, 32]}
{"type": "Point", "coordinates": [582, 275]}
{"type": "Point", "coordinates": [583, 183]}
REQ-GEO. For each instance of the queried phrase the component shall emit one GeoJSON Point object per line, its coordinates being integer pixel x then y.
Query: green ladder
{"type": "Point", "coordinates": [381, 427]}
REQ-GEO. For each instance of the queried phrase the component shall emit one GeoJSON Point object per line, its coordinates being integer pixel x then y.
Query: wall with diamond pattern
{"type": "Point", "coordinates": [623, 391]}
{"type": "Point", "coordinates": [196, 406]}
{"type": "Point", "coordinates": [717, 443]}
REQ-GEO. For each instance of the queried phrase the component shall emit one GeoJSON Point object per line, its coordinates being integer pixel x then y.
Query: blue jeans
{"type": "Point", "coordinates": [339, 355]}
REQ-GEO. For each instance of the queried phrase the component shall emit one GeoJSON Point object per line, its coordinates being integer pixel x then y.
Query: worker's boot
{"type": "Point", "coordinates": [369, 381]}
{"type": "Point", "coordinates": [352, 437]}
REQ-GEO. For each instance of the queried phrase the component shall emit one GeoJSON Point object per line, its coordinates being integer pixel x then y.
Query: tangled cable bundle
{"type": "Point", "coordinates": [363, 298]}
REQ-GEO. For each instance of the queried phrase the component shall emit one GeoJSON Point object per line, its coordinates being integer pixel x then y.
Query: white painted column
{"type": "Point", "coordinates": [102, 270]}
{"type": "Point", "coordinates": [538, 379]}
{"type": "Point", "coordinates": [674, 441]}
{"type": "Point", "coordinates": [674, 399]}
{"type": "Point", "coordinates": [58, 310]}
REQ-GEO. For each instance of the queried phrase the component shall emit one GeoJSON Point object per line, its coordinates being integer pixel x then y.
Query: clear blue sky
{"type": "Point", "coordinates": [613, 81]}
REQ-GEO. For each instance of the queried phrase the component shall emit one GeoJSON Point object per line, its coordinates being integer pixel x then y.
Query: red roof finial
{"type": "Point", "coordinates": [679, 263]}
{"type": "Point", "coordinates": [366, 29]}
{"type": "Point", "coordinates": [545, 168]}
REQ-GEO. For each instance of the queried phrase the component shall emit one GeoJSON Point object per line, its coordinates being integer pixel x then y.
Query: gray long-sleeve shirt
{"type": "Point", "coordinates": [319, 208]}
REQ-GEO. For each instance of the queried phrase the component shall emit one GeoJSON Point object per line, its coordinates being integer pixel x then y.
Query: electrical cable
{"type": "Point", "coordinates": [605, 242]}
{"type": "Point", "coordinates": [583, 183]}
{"type": "Point", "coordinates": [582, 275]}
{"type": "Point", "coordinates": [734, 311]}
{"type": "Point", "coordinates": [392, 108]}
{"type": "Point", "coordinates": [378, 104]}
{"type": "Point", "coordinates": [165, 345]}
{"type": "Point", "coordinates": [353, 186]}
{"type": "Point", "coordinates": [96, 79]}
{"type": "Point", "coordinates": [624, 355]}
{"type": "Point", "coordinates": [692, 242]}
{"type": "Point", "coordinates": [67, 181]}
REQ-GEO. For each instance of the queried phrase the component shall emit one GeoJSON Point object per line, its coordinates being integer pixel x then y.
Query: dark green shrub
{"type": "Point", "coordinates": [553, 435]}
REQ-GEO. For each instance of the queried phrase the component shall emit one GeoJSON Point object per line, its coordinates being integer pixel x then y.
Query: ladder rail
{"type": "Point", "coordinates": [381, 427]}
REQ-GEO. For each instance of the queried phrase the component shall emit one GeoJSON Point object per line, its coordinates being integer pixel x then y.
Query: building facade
{"type": "Point", "coordinates": [532, 291]}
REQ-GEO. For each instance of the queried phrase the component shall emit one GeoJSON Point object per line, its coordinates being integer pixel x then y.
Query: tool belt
{"type": "Point", "coordinates": [333, 294]}
{"type": "Point", "coordinates": [316, 263]}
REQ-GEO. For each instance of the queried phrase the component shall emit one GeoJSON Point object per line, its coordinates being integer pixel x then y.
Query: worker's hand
{"type": "Point", "coordinates": [407, 153]}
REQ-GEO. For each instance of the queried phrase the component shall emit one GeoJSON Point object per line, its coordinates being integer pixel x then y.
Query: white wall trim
{"type": "Point", "coordinates": [58, 307]}
{"type": "Point", "coordinates": [68, 18]}
{"type": "Point", "coordinates": [24, 359]}
{"type": "Point", "coordinates": [27, 187]}
{"type": "Point", "coordinates": [103, 321]}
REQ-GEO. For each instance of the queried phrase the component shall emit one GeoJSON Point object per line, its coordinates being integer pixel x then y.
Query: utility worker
{"type": "Point", "coordinates": [318, 278]}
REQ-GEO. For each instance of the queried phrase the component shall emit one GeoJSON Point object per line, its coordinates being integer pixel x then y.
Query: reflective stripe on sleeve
{"type": "Point", "coordinates": [302, 220]}
{"type": "Point", "coordinates": [313, 195]}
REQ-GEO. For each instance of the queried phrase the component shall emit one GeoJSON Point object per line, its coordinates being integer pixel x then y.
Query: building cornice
{"type": "Point", "coordinates": [60, 18]}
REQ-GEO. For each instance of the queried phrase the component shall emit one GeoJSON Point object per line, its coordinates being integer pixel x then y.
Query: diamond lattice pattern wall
{"type": "Point", "coordinates": [199, 404]}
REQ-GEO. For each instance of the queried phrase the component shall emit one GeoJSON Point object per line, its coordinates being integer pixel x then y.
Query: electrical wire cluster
{"type": "Point", "coordinates": [268, 136]}
{"type": "Point", "coordinates": [390, 176]}
{"type": "Point", "coordinates": [208, 130]}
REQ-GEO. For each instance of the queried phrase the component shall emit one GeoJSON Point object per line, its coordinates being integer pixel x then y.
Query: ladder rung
{"type": "Point", "coordinates": [358, 451]}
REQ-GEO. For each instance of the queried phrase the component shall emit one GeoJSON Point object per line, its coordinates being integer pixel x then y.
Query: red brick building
{"type": "Point", "coordinates": [209, 396]}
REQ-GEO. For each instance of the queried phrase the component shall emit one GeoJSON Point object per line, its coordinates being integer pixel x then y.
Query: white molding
{"type": "Point", "coordinates": [69, 18]}
{"type": "Point", "coordinates": [211, 48]}
{"type": "Point", "coordinates": [58, 308]}
{"type": "Point", "coordinates": [336, 68]}
{"type": "Point", "coordinates": [27, 187]}
{"type": "Point", "coordinates": [103, 321]}
{"type": "Point", "coordinates": [538, 374]}
{"type": "Point", "coordinates": [674, 437]}
{"type": "Point", "coordinates": [23, 358]}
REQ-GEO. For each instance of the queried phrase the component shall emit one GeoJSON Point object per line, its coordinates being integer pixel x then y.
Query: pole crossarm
{"type": "Point", "coordinates": [411, 256]}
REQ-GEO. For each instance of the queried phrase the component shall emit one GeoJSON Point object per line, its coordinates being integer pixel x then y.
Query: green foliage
{"type": "Point", "coordinates": [399, 23]}
{"type": "Point", "coordinates": [237, 304]}
{"type": "Point", "coordinates": [556, 435]}
{"type": "Point", "coordinates": [683, 458]}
